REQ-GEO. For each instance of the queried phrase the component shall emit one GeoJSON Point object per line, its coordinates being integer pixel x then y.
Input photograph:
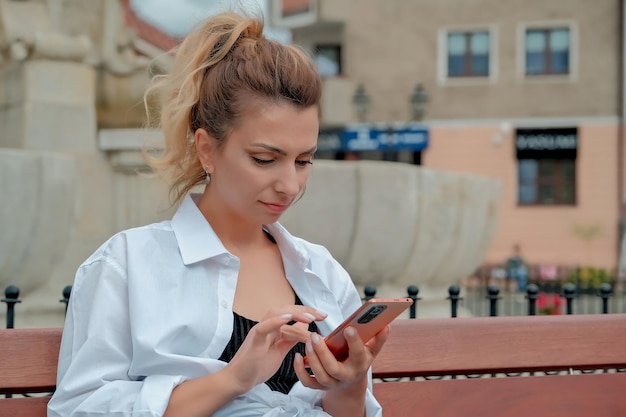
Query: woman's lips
{"type": "Point", "coordinates": [276, 208]}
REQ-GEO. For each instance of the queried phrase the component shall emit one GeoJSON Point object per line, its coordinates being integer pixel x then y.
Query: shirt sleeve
{"type": "Point", "coordinates": [96, 353]}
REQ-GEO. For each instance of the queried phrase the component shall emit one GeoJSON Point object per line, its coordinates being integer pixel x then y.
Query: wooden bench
{"type": "Point", "coordinates": [424, 348]}
{"type": "Point", "coordinates": [498, 345]}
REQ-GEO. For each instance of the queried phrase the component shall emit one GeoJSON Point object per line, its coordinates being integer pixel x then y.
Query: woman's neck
{"type": "Point", "coordinates": [237, 234]}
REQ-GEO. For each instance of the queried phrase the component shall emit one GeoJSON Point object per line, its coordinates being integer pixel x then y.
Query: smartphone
{"type": "Point", "coordinates": [368, 320]}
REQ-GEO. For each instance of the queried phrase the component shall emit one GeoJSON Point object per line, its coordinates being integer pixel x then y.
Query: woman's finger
{"type": "Point", "coordinates": [357, 352]}
{"type": "Point", "coordinates": [376, 343]}
{"type": "Point", "coordinates": [272, 324]}
{"type": "Point", "coordinates": [300, 313]}
{"type": "Point", "coordinates": [323, 363]}
{"type": "Point", "coordinates": [297, 332]}
{"type": "Point", "coordinates": [303, 375]}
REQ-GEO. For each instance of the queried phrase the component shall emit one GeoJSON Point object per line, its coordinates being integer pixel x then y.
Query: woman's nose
{"type": "Point", "coordinates": [288, 181]}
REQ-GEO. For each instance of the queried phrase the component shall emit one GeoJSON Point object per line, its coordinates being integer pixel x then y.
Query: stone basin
{"type": "Point", "coordinates": [393, 224]}
{"type": "Point", "coordinates": [36, 214]}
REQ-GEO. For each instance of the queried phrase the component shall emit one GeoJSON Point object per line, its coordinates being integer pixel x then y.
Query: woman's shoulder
{"type": "Point", "coordinates": [117, 247]}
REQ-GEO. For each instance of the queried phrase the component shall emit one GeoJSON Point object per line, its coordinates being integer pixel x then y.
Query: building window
{"type": "Point", "coordinates": [547, 51]}
{"type": "Point", "coordinates": [547, 166]}
{"type": "Point", "coordinates": [547, 181]}
{"type": "Point", "coordinates": [468, 54]}
{"type": "Point", "coordinates": [328, 60]}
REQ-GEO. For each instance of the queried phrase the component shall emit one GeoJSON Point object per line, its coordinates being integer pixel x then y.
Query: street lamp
{"type": "Point", "coordinates": [361, 101]}
{"type": "Point", "coordinates": [418, 101]}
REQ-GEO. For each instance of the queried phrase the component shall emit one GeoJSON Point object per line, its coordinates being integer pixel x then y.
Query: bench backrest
{"type": "Point", "coordinates": [475, 346]}
{"type": "Point", "coordinates": [28, 364]}
{"type": "Point", "coordinates": [426, 347]}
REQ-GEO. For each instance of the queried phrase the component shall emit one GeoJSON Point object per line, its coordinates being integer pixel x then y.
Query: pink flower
{"type": "Point", "coordinates": [549, 304]}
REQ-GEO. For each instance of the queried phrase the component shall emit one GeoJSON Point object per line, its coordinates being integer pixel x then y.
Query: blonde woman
{"type": "Point", "coordinates": [211, 313]}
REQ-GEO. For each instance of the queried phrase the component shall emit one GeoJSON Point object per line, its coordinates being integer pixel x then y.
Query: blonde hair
{"type": "Point", "coordinates": [221, 69]}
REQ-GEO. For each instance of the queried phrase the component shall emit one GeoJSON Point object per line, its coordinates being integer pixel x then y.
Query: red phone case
{"type": "Point", "coordinates": [368, 320]}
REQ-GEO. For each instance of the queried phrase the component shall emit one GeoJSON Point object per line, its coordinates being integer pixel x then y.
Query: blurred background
{"type": "Point", "coordinates": [462, 142]}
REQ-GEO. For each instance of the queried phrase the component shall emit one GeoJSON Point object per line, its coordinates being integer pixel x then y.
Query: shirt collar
{"type": "Point", "coordinates": [290, 247]}
{"type": "Point", "coordinates": [196, 238]}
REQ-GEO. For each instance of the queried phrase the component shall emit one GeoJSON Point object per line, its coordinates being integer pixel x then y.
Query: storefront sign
{"type": "Point", "coordinates": [329, 140]}
{"type": "Point", "coordinates": [366, 137]}
{"type": "Point", "coordinates": [559, 142]}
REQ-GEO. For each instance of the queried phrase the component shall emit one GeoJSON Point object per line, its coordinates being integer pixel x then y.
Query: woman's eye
{"type": "Point", "coordinates": [303, 162]}
{"type": "Point", "coordinates": [262, 161]}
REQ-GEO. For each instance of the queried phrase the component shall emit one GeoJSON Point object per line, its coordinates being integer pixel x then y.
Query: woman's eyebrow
{"type": "Point", "coordinates": [280, 151]}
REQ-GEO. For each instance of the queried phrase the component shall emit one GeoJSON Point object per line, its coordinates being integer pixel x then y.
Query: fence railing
{"type": "Point", "coordinates": [536, 301]}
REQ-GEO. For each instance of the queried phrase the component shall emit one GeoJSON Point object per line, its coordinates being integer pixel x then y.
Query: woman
{"type": "Point", "coordinates": [211, 313]}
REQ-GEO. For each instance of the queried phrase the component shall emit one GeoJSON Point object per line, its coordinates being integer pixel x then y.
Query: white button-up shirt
{"type": "Point", "coordinates": [152, 307]}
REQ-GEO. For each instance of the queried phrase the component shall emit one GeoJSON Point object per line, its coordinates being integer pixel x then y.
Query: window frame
{"type": "Point", "coordinates": [443, 75]}
{"type": "Point", "coordinates": [549, 25]}
{"type": "Point", "coordinates": [335, 46]}
{"type": "Point", "coordinates": [556, 181]}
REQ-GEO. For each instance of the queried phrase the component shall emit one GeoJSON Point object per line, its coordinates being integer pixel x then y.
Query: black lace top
{"type": "Point", "coordinates": [285, 377]}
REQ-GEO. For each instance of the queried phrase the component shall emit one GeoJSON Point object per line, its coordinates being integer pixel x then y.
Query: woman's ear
{"type": "Point", "coordinates": [205, 147]}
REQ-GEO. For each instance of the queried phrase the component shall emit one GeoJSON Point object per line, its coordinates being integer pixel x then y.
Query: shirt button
{"type": "Point", "coordinates": [224, 304]}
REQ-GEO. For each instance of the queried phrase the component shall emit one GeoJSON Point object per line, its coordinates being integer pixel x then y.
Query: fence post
{"type": "Point", "coordinates": [12, 294]}
{"type": "Point", "coordinates": [412, 291]}
{"type": "Point", "coordinates": [369, 291]}
{"type": "Point", "coordinates": [532, 293]}
{"type": "Point", "coordinates": [569, 292]}
{"type": "Point", "coordinates": [492, 296]}
{"type": "Point", "coordinates": [605, 292]}
{"type": "Point", "coordinates": [454, 298]}
{"type": "Point", "coordinates": [67, 291]}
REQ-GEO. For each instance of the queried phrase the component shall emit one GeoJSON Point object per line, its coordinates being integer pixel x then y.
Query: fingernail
{"type": "Point", "coordinates": [316, 339]}
{"type": "Point", "coordinates": [309, 347]}
{"type": "Point", "coordinates": [321, 313]}
{"type": "Point", "coordinates": [298, 358]}
{"type": "Point", "coordinates": [309, 316]}
{"type": "Point", "coordinates": [287, 316]}
{"type": "Point", "coordinates": [350, 331]}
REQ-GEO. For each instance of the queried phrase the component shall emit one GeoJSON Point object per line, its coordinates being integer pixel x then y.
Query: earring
{"type": "Point", "coordinates": [208, 175]}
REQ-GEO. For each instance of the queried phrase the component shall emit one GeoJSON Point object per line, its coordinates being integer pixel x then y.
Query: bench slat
{"type": "Point", "coordinates": [598, 395]}
{"type": "Point", "coordinates": [37, 371]}
{"type": "Point", "coordinates": [463, 346]}
{"type": "Point", "coordinates": [24, 407]}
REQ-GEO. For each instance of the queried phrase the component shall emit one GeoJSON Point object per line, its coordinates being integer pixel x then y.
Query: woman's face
{"type": "Point", "coordinates": [265, 162]}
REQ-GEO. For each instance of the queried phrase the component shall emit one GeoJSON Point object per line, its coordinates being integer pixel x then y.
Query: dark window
{"type": "Point", "coordinates": [328, 60]}
{"type": "Point", "coordinates": [547, 181]}
{"type": "Point", "coordinates": [468, 54]}
{"type": "Point", "coordinates": [547, 51]}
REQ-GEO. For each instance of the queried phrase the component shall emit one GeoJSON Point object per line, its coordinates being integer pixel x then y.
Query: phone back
{"type": "Point", "coordinates": [368, 320]}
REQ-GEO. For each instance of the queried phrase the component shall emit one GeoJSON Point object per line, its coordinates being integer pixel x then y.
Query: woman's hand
{"type": "Point", "coordinates": [268, 342]}
{"type": "Point", "coordinates": [345, 382]}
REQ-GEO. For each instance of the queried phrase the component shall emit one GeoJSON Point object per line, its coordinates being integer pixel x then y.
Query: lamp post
{"type": "Point", "coordinates": [361, 101]}
{"type": "Point", "coordinates": [417, 102]}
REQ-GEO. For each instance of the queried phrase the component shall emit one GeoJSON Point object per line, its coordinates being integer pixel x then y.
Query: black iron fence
{"type": "Point", "coordinates": [12, 297]}
{"type": "Point", "coordinates": [480, 301]}
{"type": "Point", "coordinates": [490, 301]}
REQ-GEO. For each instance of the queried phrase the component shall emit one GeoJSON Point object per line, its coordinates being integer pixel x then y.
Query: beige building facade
{"type": "Point", "coordinates": [529, 92]}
